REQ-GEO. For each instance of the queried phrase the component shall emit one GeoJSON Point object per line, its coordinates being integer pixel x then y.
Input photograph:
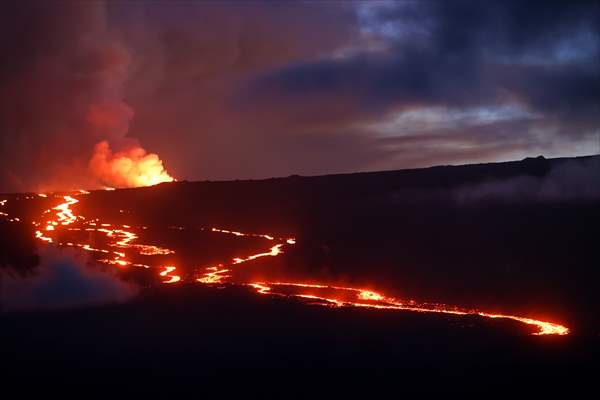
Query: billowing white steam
{"type": "Point", "coordinates": [130, 168]}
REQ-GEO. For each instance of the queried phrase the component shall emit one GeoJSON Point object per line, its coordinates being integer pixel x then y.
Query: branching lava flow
{"type": "Point", "coordinates": [123, 238]}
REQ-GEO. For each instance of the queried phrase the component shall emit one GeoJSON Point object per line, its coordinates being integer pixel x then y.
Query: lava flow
{"type": "Point", "coordinates": [348, 296]}
{"type": "Point", "coordinates": [121, 245]}
{"type": "Point", "coordinates": [118, 236]}
{"type": "Point", "coordinates": [167, 273]}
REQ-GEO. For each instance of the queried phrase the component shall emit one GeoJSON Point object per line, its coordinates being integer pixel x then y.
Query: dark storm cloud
{"type": "Point", "coordinates": [568, 91]}
{"type": "Point", "coordinates": [186, 79]}
{"type": "Point", "coordinates": [542, 59]}
{"type": "Point", "coordinates": [544, 56]}
{"type": "Point", "coordinates": [377, 83]}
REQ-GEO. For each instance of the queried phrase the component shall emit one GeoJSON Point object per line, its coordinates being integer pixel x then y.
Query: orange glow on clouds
{"type": "Point", "coordinates": [130, 168]}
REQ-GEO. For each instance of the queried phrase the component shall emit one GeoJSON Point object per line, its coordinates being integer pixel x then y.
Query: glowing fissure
{"type": "Point", "coordinates": [371, 299]}
{"type": "Point", "coordinates": [123, 237]}
{"type": "Point", "coordinates": [167, 274]}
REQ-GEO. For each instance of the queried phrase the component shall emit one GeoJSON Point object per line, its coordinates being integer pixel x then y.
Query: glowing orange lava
{"type": "Point", "coordinates": [370, 299]}
{"type": "Point", "coordinates": [216, 275]}
{"type": "Point", "coordinates": [131, 168]}
{"type": "Point", "coordinates": [122, 240]}
{"type": "Point", "coordinates": [2, 204]}
{"type": "Point", "coordinates": [167, 273]}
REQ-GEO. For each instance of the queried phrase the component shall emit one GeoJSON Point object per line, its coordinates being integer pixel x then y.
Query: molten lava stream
{"type": "Point", "coordinates": [124, 236]}
{"type": "Point", "coordinates": [348, 296]}
{"type": "Point", "coordinates": [118, 236]}
{"type": "Point", "coordinates": [167, 273]}
{"type": "Point", "coordinates": [338, 296]}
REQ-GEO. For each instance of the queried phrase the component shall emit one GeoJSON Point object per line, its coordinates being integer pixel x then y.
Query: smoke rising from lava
{"type": "Point", "coordinates": [382, 85]}
{"type": "Point", "coordinates": [62, 92]}
{"type": "Point", "coordinates": [130, 168]}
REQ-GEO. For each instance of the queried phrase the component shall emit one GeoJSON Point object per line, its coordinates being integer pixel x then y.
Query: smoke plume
{"type": "Point", "coordinates": [229, 90]}
{"type": "Point", "coordinates": [64, 67]}
{"type": "Point", "coordinates": [130, 168]}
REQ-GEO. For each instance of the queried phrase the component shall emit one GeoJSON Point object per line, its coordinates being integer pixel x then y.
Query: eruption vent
{"type": "Point", "coordinates": [130, 168]}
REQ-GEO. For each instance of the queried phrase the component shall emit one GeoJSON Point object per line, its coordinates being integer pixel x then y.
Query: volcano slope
{"type": "Point", "coordinates": [514, 238]}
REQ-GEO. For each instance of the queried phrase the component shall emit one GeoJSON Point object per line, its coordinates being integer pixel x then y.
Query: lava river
{"type": "Point", "coordinates": [122, 245]}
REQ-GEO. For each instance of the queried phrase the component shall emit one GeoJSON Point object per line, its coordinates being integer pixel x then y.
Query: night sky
{"type": "Point", "coordinates": [258, 89]}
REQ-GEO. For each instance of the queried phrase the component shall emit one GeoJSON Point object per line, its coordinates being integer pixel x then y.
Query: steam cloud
{"type": "Point", "coordinates": [131, 168]}
{"type": "Point", "coordinates": [61, 93]}
{"type": "Point", "coordinates": [577, 180]}
{"type": "Point", "coordinates": [64, 280]}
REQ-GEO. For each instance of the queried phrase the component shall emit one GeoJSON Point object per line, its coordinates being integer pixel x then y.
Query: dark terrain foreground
{"type": "Point", "coordinates": [184, 338]}
{"type": "Point", "coordinates": [517, 238]}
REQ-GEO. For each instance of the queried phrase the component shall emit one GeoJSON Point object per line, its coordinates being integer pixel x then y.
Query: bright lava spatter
{"type": "Point", "coordinates": [123, 237]}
